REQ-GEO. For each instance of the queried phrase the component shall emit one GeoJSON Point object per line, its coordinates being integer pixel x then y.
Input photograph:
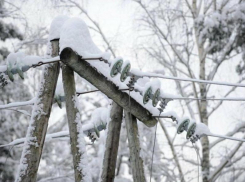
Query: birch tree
{"type": "Point", "coordinates": [185, 35]}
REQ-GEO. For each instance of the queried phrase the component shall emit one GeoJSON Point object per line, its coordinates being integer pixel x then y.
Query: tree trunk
{"type": "Point", "coordinates": [37, 129]}
{"type": "Point", "coordinates": [204, 139]}
{"type": "Point", "coordinates": [112, 143]}
{"type": "Point", "coordinates": [85, 70]}
{"type": "Point", "coordinates": [78, 148]}
{"type": "Point", "coordinates": [204, 116]}
{"type": "Point", "coordinates": [134, 148]}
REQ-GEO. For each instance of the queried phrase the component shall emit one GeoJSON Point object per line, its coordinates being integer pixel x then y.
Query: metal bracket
{"type": "Point", "coordinates": [163, 103]}
{"type": "Point", "coordinates": [194, 139]}
{"type": "Point", "coordinates": [3, 80]}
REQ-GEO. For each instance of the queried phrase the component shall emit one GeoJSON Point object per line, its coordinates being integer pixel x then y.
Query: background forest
{"type": "Point", "coordinates": [186, 38]}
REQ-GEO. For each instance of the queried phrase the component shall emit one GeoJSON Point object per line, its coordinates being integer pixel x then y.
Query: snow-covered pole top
{"type": "Point", "coordinates": [75, 35]}
{"type": "Point", "coordinates": [55, 27]}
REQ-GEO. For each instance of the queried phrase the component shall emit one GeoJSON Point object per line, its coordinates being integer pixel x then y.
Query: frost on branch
{"type": "Point", "coordinates": [216, 27]}
{"type": "Point", "coordinates": [56, 25]}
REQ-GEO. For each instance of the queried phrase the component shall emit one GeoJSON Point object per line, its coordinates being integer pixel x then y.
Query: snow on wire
{"type": "Point", "coordinates": [18, 63]}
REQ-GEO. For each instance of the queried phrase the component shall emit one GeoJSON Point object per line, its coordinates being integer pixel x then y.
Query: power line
{"type": "Point", "coordinates": [153, 150]}
{"type": "Point", "coordinates": [198, 136]}
{"type": "Point", "coordinates": [87, 92]}
{"type": "Point", "coordinates": [193, 98]}
{"type": "Point", "coordinates": [193, 80]}
{"type": "Point", "coordinates": [177, 97]}
{"type": "Point", "coordinates": [47, 61]}
{"type": "Point", "coordinates": [226, 137]}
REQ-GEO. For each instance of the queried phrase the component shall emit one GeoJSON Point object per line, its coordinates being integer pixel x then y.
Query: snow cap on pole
{"type": "Point", "coordinates": [75, 35]}
{"type": "Point", "coordinates": [55, 27]}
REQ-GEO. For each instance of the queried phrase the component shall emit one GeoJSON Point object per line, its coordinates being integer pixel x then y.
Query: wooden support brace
{"type": "Point", "coordinates": [134, 148]}
{"type": "Point", "coordinates": [37, 129]}
{"type": "Point", "coordinates": [112, 143]}
{"type": "Point", "coordinates": [73, 117]}
{"type": "Point", "coordinates": [85, 70]}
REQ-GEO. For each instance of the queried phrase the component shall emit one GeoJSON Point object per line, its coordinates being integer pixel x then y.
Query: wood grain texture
{"type": "Point", "coordinates": [32, 151]}
{"type": "Point", "coordinates": [112, 143]}
{"type": "Point", "coordinates": [71, 112]}
{"type": "Point", "coordinates": [134, 148]}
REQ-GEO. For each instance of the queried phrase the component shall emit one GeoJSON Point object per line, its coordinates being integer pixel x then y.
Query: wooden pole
{"type": "Point", "coordinates": [85, 70]}
{"type": "Point", "coordinates": [78, 148]}
{"type": "Point", "coordinates": [112, 143]}
{"type": "Point", "coordinates": [134, 148]}
{"type": "Point", "coordinates": [37, 129]}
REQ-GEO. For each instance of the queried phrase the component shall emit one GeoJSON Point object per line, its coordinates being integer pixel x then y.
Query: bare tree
{"type": "Point", "coordinates": [184, 35]}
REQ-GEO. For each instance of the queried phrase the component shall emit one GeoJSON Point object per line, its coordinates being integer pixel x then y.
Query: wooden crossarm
{"type": "Point", "coordinates": [85, 70]}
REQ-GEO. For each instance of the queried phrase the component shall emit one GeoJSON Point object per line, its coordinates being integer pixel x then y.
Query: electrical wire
{"type": "Point", "coordinates": [226, 137]}
{"type": "Point", "coordinates": [178, 98]}
{"type": "Point", "coordinates": [165, 77]}
{"type": "Point", "coordinates": [197, 160]}
{"type": "Point", "coordinates": [195, 80]}
{"type": "Point", "coordinates": [40, 63]}
{"type": "Point", "coordinates": [213, 99]}
{"type": "Point", "coordinates": [52, 60]}
{"type": "Point", "coordinates": [81, 93]}
{"type": "Point", "coordinates": [153, 149]}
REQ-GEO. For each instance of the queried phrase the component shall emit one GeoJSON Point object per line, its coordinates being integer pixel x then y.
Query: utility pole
{"type": "Point", "coordinates": [78, 148]}
{"type": "Point", "coordinates": [112, 143]}
{"type": "Point", "coordinates": [37, 129]}
{"type": "Point", "coordinates": [134, 148]}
